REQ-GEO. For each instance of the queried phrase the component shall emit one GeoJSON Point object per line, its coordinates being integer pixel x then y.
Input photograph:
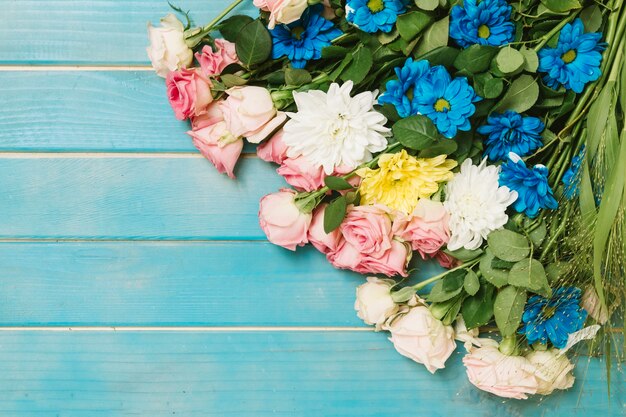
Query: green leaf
{"type": "Point", "coordinates": [597, 118]}
{"type": "Point", "coordinates": [334, 214]}
{"type": "Point", "coordinates": [427, 4]}
{"type": "Point", "coordinates": [453, 311]}
{"type": "Point", "coordinates": [412, 24]}
{"type": "Point", "coordinates": [334, 51]}
{"type": "Point", "coordinates": [231, 80]}
{"type": "Point", "coordinates": [297, 77]}
{"type": "Point", "coordinates": [529, 273]}
{"type": "Point", "coordinates": [415, 132]}
{"type": "Point", "coordinates": [508, 309]}
{"type": "Point", "coordinates": [337, 183]}
{"type": "Point", "coordinates": [341, 67]}
{"type": "Point", "coordinates": [592, 18]}
{"type": "Point", "coordinates": [497, 277]}
{"type": "Point", "coordinates": [453, 280]}
{"type": "Point", "coordinates": [561, 6]}
{"type": "Point", "coordinates": [464, 255]}
{"type": "Point", "coordinates": [444, 55]}
{"type": "Point", "coordinates": [387, 38]}
{"type": "Point", "coordinates": [435, 36]}
{"type": "Point", "coordinates": [475, 59]}
{"type": "Point", "coordinates": [478, 309]}
{"type": "Point", "coordinates": [442, 147]}
{"type": "Point", "coordinates": [438, 294]}
{"type": "Point", "coordinates": [554, 272]}
{"type": "Point", "coordinates": [403, 294]}
{"type": "Point", "coordinates": [471, 284]}
{"type": "Point", "coordinates": [509, 60]}
{"type": "Point", "coordinates": [359, 67]}
{"type": "Point", "coordinates": [487, 86]}
{"type": "Point", "coordinates": [521, 95]}
{"type": "Point", "coordinates": [538, 234]}
{"type": "Point", "coordinates": [441, 310]}
{"type": "Point", "coordinates": [508, 246]}
{"type": "Point", "coordinates": [231, 27]}
{"type": "Point", "coordinates": [497, 263]}
{"type": "Point", "coordinates": [253, 44]}
{"type": "Point", "coordinates": [531, 60]}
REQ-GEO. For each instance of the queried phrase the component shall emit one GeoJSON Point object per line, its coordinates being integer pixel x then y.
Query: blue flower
{"type": "Point", "coordinates": [553, 318]}
{"type": "Point", "coordinates": [485, 23]}
{"type": "Point", "coordinates": [374, 15]}
{"type": "Point", "coordinates": [401, 91]}
{"type": "Point", "coordinates": [447, 102]}
{"type": "Point", "coordinates": [533, 191]}
{"type": "Point", "coordinates": [571, 178]}
{"type": "Point", "coordinates": [576, 59]}
{"type": "Point", "coordinates": [510, 132]}
{"type": "Point", "coordinates": [304, 39]}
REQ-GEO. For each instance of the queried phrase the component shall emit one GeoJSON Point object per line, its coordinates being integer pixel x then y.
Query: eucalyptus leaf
{"type": "Point", "coordinates": [334, 214]}
{"type": "Point", "coordinates": [521, 95]}
{"type": "Point", "coordinates": [508, 309]}
{"type": "Point", "coordinates": [253, 44]}
{"type": "Point", "coordinates": [508, 246]}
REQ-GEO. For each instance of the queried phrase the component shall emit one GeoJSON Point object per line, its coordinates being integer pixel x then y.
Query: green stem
{"type": "Point", "coordinates": [206, 29]}
{"type": "Point", "coordinates": [545, 38]}
{"type": "Point", "coordinates": [560, 229]}
{"type": "Point", "coordinates": [430, 280]}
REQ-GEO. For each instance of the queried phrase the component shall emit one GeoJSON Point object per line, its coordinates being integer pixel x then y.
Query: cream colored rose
{"type": "Point", "coordinates": [168, 50]}
{"type": "Point", "coordinates": [421, 337]}
{"type": "Point", "coordinates": [553, 371]}
{"type": "Point", "coordinates": [373, 301]}
{"type": "Point", "coordinates": [591, 302]}
{"type": "Point", "coordinates": [282, 11]}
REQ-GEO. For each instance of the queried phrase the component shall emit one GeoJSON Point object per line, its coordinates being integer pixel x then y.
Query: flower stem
{"type": "Point", "coordinates": [436, 278]}
{"type": "Point", "coordinates": [206, 29]}
{"type": "Point", "coordinates": [545, 38]}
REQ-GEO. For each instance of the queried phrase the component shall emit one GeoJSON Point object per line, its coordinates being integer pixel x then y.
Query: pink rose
{"type": "Point", "coordinates": [446, 260]}
{"type": "Point", "coordinates": [419, 336]}
{"type": "Point", "coordinates": [214, 62]}
{"type": "Point", "coordinates": [281, 220]}
{"type": "Point", "coordinates": [323, 242]}
{"type": "Point", "coordinates": [301, 174]}
{"type": "Point", "coordinates": [282, 11]}
{"type": "Point", "coordinates": [391, 262]}
{"type": "Point", "coordinates": [249, 111]}
{"type": "Point", "coordinates": [189, 92]}
{"type": "Point", "coordinates": [368, 229]}
{"type": "Point", "coordinates": [427, 227]}
{"type": "Point", "coordinates": [505, 376]}
{"type": "Point", "coordinates": [274, 149]}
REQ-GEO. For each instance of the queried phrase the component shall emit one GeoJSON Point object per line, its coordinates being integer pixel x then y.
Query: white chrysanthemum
{"type": "Point", "coordinates": [476, 203]}
{"type": "Point", "coordinates": [333, 129]}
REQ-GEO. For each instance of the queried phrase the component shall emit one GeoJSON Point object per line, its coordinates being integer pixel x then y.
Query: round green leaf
{"type": "Point", "coordinates": [497, 277]}
{"type": "Point", "coordinates": [416, 132]}
{"type": "Point", "coordinates": [427, 4]}
{"type": "Point", "coordinates": [253, 44]}
{"type": "Point", "coordinates": [529, 274]}
{"type": "Point", "coordinates": [435, 36]}
{"type": "Point", "coordinates": [412, 24]}
{"type": "Point", "coordinates": [508, 246]}
{"type": "Point", "coordinates": [475, 59]}
{"type": "Point", "coordinates": [508, 309]}
{"type": "Point", "coordinates": [531, 60]}
{"type": "Point", "coordinates": [471, 284]}
{"type": "Point", "coordinates": [477, 310]}
{"type": "Point", "coordinates": [521, 95]}
{"type": "Point", "coordinates": [438, 294]}
{"type": "Point", "coordinates": [509, 60]}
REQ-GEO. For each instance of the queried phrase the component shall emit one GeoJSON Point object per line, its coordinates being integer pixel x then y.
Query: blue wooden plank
{"type": "Point", "coordinates": [174, 283]}
{"type": "Point", "coordinates": [174, 198]}
{"type": "Point", "coordinates": [88, 32]}
{"type": "Point", "coordinates": [304, 374]}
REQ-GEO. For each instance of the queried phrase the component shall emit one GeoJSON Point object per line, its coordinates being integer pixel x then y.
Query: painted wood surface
{"type": "Point", "coordinates": [253, 374]}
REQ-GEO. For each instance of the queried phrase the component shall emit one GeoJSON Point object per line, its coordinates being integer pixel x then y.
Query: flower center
{"type": "Point", "coordinates": [483, 31]}
{"type": "Point", "coordinates": [375, 6]}
{"type": "Point", "coordinates": [548, 312]}
{"type": "Point", "coordinates": [297, 32]}
{"type": "Point", "coordinates": [569, 56]}
{"type": "Point", "coordinates": [442, 105]}
{"type": "Point", "coordinates": [409, 94]}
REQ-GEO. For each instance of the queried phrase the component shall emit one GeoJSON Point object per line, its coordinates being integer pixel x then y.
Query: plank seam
{"type": "Point", "coordinates": [108, 155]}
{"type": "Point", "coordinates": [70, 68]}
{"type": "Point", "coordinates": [207, 329]}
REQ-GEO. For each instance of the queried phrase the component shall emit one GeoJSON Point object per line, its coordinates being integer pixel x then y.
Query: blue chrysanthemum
{"type": "Point", "coordinates": [304, 39]}
{"type": "Point", "coordinates": [374, 15]}
{"type": "Point", "coordinates": [533, 191]}
{"type": "Point", "coordinates": [571, 178]}
{"type": "Point", "coordinates": [401, 91]}
{"type": "Point", "coordinates": [553, 318]}
{"type": "Point", "coordinates": [510, 132]}
{"type": "Point", "coordinates": [576, 59]}
{"type": "Point", "coordinates": [485, 23]}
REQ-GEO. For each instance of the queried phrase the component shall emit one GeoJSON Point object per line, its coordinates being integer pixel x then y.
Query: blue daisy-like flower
{"type": "Point", "coordinates": [571, 178]}
{"type": "Point", "coordinates": [401, 92]}
{"type": "Point", "coordinates": [487, 22]}
{"type": "Point", "coordinates": [374, 15]}
{"type": "Point", "coordinates": [304, 39]}
{"type": "Point", "coordinates": [576, 59]}
{"type": "Point", "coordinates": [533, 191]}
{"type": "Point", "coordinates": [511, 132]}
{"type": "Point", "coordinates": [553, 318]}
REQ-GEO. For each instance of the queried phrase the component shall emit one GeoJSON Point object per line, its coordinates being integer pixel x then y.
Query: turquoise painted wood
{"type": "Point", "coordinates": [305, 374]}
{"type": "Point", "coordinates": [105, 32]}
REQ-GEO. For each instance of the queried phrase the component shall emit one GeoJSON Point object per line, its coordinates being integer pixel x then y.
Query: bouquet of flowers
{"type": "Point", "coordinates": [485, 135]}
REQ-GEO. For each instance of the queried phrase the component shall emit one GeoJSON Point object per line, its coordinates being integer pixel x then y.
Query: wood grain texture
{"type": "Point", "coordinates": [305, 374]}
{"type": "Point", "coordinates": [174, 283]}
{"type": "Point", "coordinates": [87, 31]}
{"type": "Point", "coordinates": [131, 198]}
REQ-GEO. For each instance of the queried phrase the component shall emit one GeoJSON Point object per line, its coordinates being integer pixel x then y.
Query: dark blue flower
{"type": "Point", "coordinates": [304, 39]}
{"type": "Point", "coordinates": [374, 15]}
{"type": "Point", "coordinates": [510, 132]}
{"type": "Point", "coordinates": [553, 318]}
{"type": "Point", "coordinates": [401, 91]}
{"type": "Point", "coordinates": [485, 23]}
{"type": "Point", "coordinates": [576, 59]}
{"type": "Point", "coordinates": [571, 178]}
{"type": "Point", "coordinates": [533, 191]}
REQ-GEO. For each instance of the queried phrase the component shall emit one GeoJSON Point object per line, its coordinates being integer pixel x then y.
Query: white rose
{"type": "Point", "coordinates": [553, 371]}
{"type": "Point", "coordinates": [282, 11]}
{"type": "Point", "coordinates": [373, 301]}
{"type": "Point", "coordinates": [168, 50]}
{"type": "Point", "coordinates": [421, 337]}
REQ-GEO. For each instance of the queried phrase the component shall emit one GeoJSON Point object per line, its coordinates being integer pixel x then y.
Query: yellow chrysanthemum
{"type": "Point", "coordinates": [402, 179]}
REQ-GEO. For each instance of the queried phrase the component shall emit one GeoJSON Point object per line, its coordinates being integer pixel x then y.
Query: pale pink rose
{"type": "Point", "coordinates": [214, 62]}
{"type": "Point", "coordinates": [189, 92]}
{"type": "Point", "coordinates": [505, 376]}
{"type": "Point", "coordinates": [446, 260]}
{"type": "Point", "coordinates": [374, 303]}
{"type": "Point", "coordinates": [168, 50]}
{"type": "Point", "coordinates": [553, 370]}
{"type": "Point", "coordinates": [419, 336]}
{"type": "Point", "coordinates": [368, 229]}
{"type": "Point", "coordinates": [212, 116]}
{"type": "Point", "coordinates": [591, 302]}
{"type": "Point", "coordinates": [274, 149]}
{"type": "Point", "coordinates": [323, 242]}
{"type": "Point", "coordinates": [281, 220]}
{"type": "Point", "coordinates": [427, 228]}
{"type": "Point", "coordinates": [301, 174]}
{"type": "Point", "coordinates": [249, 111]}
{"type": "Point", "coordinates": [391, 262]}
{"type": "Point", "coordinates": [282, 11]}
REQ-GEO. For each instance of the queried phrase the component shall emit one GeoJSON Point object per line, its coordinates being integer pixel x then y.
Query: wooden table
{"type": "Point", "coordinates": [135, 279]}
